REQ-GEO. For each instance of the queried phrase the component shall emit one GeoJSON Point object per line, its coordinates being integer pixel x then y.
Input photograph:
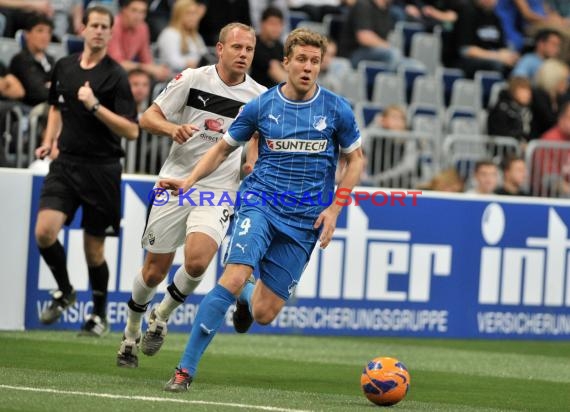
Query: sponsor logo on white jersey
{"type": "Point", "coordinates": [204, 101]}
{"type": "Point", "coordinates": [296, 145]}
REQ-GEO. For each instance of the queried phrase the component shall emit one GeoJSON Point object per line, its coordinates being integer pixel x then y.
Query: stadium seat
{"type": "Point", "coordinates": [352, 87]}
{"type": "Point", "coordinates": [466, 93]}
{"type": "Point", "coordinates": [388, 89]}
{"type": "Point", "coordinates": [409, 74]}
{"type": "Point", "coordinates": [111, 5]}
{"type": "Point", "coordinates": [496, 90]}
{"type": "Point", "coordinates": [21, 38]}
{"type": "Point", "coordinates": [334, 24]}
{"type": "Point", "coordinates": [426, 48]}
{"type": "Point", "coordinates": [448, 76]}
{"type": "Point", "coordinates": [426, 123]}
{"type": "Point", "coordinates": [72, 44]}
{"type": "Point", "coordinates": [427, 90]}
{"type": "Point", "coordinates": [454, 112]}
{"type": "Point", "coordinates": [486, 79]}
{"type": "Point", "coordinates": [296, 17]}
{"type": "Point", "coordinates": [313, 26]}
{"type": "Point", "coordinates": [464, 125]}
{"type": "Point", "coordinates": [367, 71]}
{"type": "Point", "coordinates": [8, 49]}
{"type": "Point", "coordinates": [405, 31]}
{"type": "Point", "coordinates": [396, 40]}
{"type": "Point", "coordinates": [157, 88]}
{"type": "Point", "coordinates": [365, 112]}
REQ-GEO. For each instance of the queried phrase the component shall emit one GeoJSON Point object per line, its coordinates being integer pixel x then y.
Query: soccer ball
{"type": "Point", "coordinates": [385, 381]}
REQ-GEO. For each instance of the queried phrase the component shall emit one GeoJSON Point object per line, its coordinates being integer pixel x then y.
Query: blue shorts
{"type": "Point", "coordinates": [280, 252]}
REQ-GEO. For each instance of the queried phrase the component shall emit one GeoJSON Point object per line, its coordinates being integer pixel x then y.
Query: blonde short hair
{"type": "Point", "coordinates": [550, 74]}
{"type": "Point", "coordinates": [305, 37]}
{"type": "Point", "coordinates": [224, 33]}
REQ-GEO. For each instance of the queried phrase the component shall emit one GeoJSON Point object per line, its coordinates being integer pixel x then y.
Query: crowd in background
{"type": "Point", "coordinates": [526, 41]}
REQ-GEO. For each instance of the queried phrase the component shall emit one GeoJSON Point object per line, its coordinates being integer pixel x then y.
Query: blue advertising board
{"type": "Point", "coordinates": [438, 266]}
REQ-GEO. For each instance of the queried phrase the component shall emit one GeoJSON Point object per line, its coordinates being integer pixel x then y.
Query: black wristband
{"type": "Point", "coordinates": [95, 107]}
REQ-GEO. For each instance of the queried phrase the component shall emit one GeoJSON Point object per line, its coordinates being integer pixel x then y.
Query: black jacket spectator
{"type": "Point", "coordinates": [508, 118]}
{"type": "Point", "coordinates": [34, 75]}
{"type": "Point", "coordinates": [545, 113]}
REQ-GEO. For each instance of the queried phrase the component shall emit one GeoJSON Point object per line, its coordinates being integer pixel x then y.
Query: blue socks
{"type": "Point", "coordinates": [246, 293]}
{"type": "Point", "coordinates": [209, 318]}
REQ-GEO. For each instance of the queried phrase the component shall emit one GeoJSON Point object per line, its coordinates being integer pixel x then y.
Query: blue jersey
{"type": "Point", "coordinates": [299, 143]}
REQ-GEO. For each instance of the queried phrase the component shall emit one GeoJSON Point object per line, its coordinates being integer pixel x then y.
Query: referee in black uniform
{"type": "Point", "coordinates": [91, 108]}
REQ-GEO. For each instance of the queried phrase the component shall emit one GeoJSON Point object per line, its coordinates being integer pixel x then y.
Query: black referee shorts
{"type": "Point", "coordinates": [93, 186]}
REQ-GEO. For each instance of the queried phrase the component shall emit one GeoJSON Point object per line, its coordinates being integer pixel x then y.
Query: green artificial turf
{"type": "Point", "coordinates": [57, 371]}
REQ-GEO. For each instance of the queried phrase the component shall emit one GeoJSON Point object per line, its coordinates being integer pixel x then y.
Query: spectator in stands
{"type": "Point", "coordinates": [433, 13]}
{"type": "Point", "coordinates": [180, 46]}
{"type": "Point", "coordinates": [486, 176]}
{"type": "Point", "coordinates": [10, 90]}
{"type": "Point", "coordinates": [222, 12]}
{"type": "Point", "coordinates": [332, 71]}
{"type": "Point", "coordinates": [33, 66]}
{"type": "Point", "coordinates": [257, 7]}
{"type": "Point", "coordinates": [514, 177]}
{"type": "Point", "coordinates": [561, 131]}
{"type": "Point", "coordinates": [365, 33]}
{"type": "Point", "coordinates": [549, 94]}
{"type": "Point", "coordinates": [395, 154]}
{"type": "Point", "coordinates": [447, 180]}
{"type": "Point", "coordinates": [555, 163]}
{"type": "Point", "coordinates": [17, 11]}
{"type": "Point", "coordinates": [521, 18]}
{"type": "Point", "coordinates": [481, 42]}
{"type": "Point", "coordinates": [10, 86]}
{"type": "Point", "coordinates": [546, 46]}
{"type": "Point", "coordinates": [267, 68]}
{"type": "Point", "coordinates": [141, 88]}
{"type": "Point", "coordinates": [158, 16]}
{"type": "Point", "coordinates": [393, 117]}
{"type": "Point", "coordinates": [511, 116]}
{"type": "Point", "coordinates": [317, 9]}
{"type": "Point", "coordinates": [141, 83]}
{"type": "Point", "coordinates": [561, 7]}
{"type": "Point", "coordinates": [130, 44]}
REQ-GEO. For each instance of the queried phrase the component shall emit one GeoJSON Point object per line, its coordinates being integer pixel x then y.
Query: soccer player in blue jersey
{"type": "Point", "coordinates": [302, 127]}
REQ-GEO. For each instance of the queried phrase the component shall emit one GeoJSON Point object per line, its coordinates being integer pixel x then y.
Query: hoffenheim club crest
{"type": "Point", "coordinates": [320, 123]}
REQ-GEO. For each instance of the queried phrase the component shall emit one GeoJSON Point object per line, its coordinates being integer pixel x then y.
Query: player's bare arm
{"type": "Point", "coordinates": [251, 153]}
{"type": "Point", "coordinates": [350, 178]}
{"type": "Point", "coordinates": [118, 124]}
{"type": "Point", "coordinates": [154, 122]}
{"type": "Point", "coordinates": [207, 164]}
{"type": "Point", "coordinates": [53, 129]}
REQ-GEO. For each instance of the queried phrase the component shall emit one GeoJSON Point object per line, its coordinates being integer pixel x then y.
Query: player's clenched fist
{"type": "Point", "coordinates": [174, 185]}
{"type": "Point", "coordinates": [183, 132]}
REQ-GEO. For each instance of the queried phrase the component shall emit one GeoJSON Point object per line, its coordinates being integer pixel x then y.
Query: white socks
{"type": "Point", "coordinates": [141, 296]}
{"type": "Point", "coordinates": [182, 286]}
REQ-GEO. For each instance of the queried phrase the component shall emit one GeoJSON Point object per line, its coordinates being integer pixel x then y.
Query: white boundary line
{"type": "Point", "coordinates": [150, 398]}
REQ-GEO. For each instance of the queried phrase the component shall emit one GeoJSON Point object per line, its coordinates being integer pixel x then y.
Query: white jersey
{"type": "Point", "coordinates": [200, 97]}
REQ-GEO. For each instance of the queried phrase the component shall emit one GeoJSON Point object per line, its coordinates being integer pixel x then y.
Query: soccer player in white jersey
{"type": "Point", "coordinates": [195, 110]}
{"type": "Point", "coordinates": [302, 127]}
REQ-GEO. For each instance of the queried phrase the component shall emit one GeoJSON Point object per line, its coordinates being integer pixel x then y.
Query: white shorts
{"type": "Point", "coordinates": [168, 226]}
